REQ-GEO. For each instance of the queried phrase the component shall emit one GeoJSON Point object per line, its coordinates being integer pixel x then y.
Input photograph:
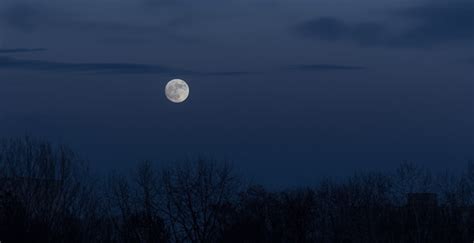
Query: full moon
{"type": "Point", "coordinates": [177, 90]}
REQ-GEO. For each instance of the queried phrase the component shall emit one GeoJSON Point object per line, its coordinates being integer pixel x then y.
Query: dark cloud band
{"type": "Point", "coordinates": [41, 65]}
{"type": "Point", "coordinates": [21, 50]}
{"type": "Point", "coordinates": [431, 24]}
{"type": "Point", "coordinates": [104, 68]}
{"type": "Point", "coordinates": [323, 67]}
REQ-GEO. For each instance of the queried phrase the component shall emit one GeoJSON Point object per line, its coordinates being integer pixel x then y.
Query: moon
{"type": "Point", "coordinates": [177, 90]}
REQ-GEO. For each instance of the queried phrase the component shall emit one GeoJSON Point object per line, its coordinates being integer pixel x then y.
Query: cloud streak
{"type": "Point", "coordinates": [21, 50]}
{"type": "Point", "coordinates": [229, 73]}
{"type": "Point", "coordinates": [430, 24]}
{"type": "Point", "coordinates": [323, 67]}
{"type": "Point", "coordinates": [104, 68]}
{"type": "Point", "coordinates": [10, 63]}
{"type": "Point", "coordinates": [30, 17]}
{"type": "Point", "coordinates": [123, 68]}
{"type": "Point", "coordinates": [333, 29]}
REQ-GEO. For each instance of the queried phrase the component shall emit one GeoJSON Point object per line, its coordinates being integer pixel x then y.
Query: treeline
{"type": "Point", "coordinates": [47, 194]}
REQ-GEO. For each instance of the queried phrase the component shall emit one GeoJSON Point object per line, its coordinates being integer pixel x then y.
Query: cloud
{"type": "Point", "coordinates": [333, 29]}
{"type": "Point", "coordinates": [229, 73]}
{"type": "Point", "coordinates": [124, 68]}
{"type": "Point", "coordinates": [34, 17]}
{"type": "Point", "coordinates": [323, 67]}
{"type": "Point", "coordinates": [325, 28]}
{"type": "Point", "coordinates": [429, 24]}
{"type": "Point", "coordinates": [136, 68]}
{"type": "Point", "coordinates": [160, 3]}
{"type": "Point", "coordinates": [104, 68]}
{"type": "Point", "coordinates": [438, 23]}
{"type": "Point", "coordinates": [23, 16]}
{"type": "Point", "coordinates": [20, 50]}
{"type": "Point", "coordinates": [30, 17]}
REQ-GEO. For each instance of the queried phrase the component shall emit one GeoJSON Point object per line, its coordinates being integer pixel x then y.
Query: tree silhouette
{"type": "Point", "coordinates": [46, 187]}
{"type": "Point", "coordinates": [47, 194]}
{"type": "Point", "coordinates": [195, 196]}
{"type": "Point", "coordinates": [134, 209]}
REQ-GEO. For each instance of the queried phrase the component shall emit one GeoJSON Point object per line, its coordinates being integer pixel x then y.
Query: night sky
{"type": "Point", "coordinates": [289, 91]}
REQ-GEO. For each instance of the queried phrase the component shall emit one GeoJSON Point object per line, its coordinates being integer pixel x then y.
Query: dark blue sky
{"type": "Point", "coordinates": [290, 91]}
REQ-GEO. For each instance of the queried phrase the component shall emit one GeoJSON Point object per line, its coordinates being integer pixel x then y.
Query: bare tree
{"type": "Point", "coordinates": [51, 184]}
{"type": "Point", "coordinates": [195, 195]}
{"type": "Point", "coordinates": [255, 217]}
{"type": "Point", "coordinates": [47, 194]}
{"type": "Point", "coordinates": [133, 208]}
{"type": "Point", "coordinates": [410, 178]}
